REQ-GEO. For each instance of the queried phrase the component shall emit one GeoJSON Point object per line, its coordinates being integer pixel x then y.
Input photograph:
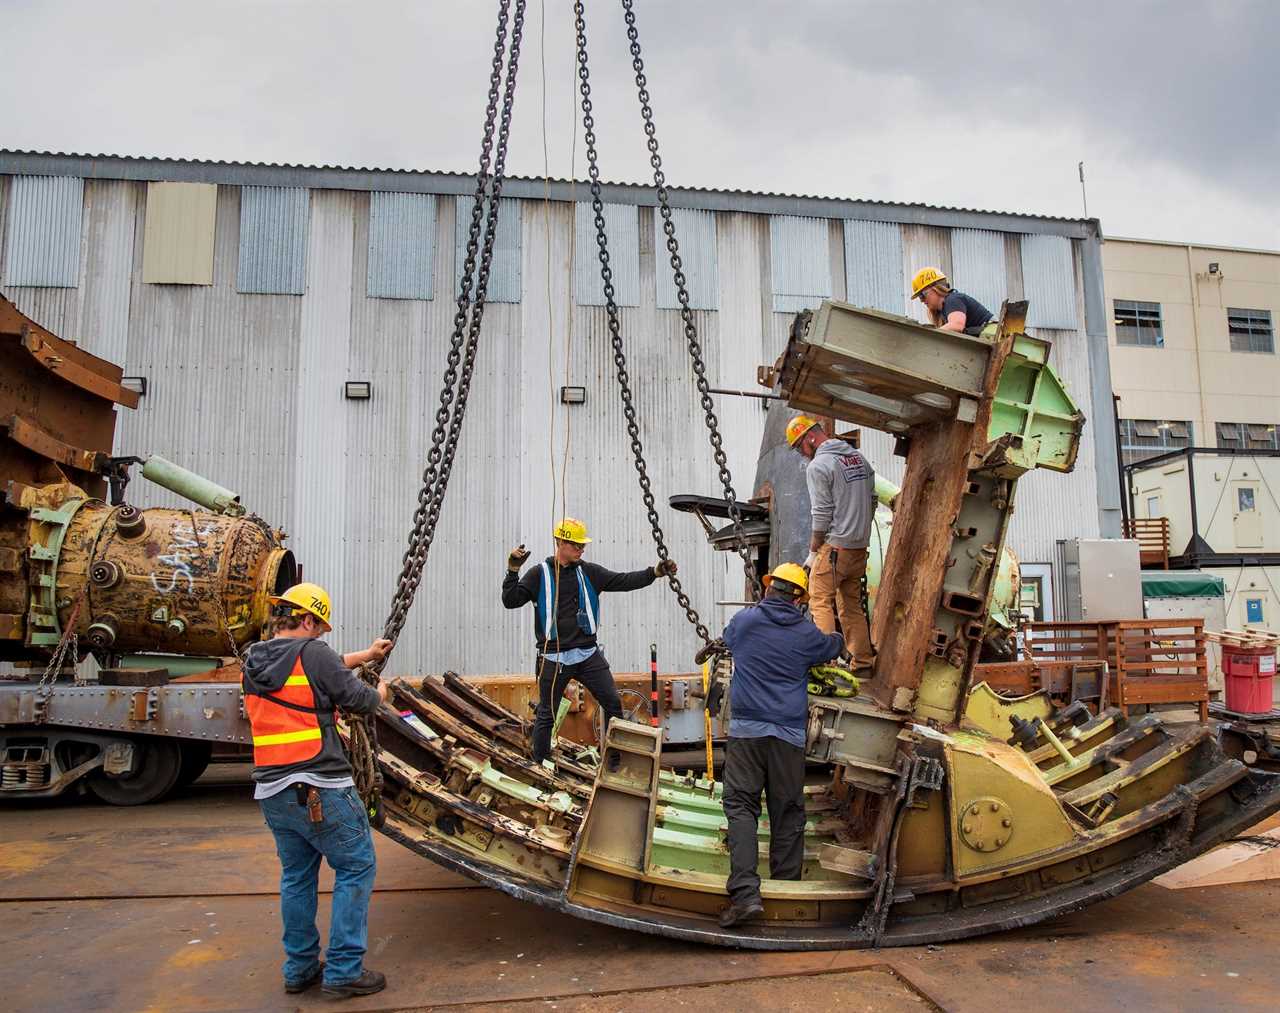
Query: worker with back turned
{"type": "Point", "coordinates": [842, 499]}
{"type": "Point", "coordinates": [774, 644]}
{"type": "Point", "coordinates": [948, 309]}
{"type": "Point", "coordinates": [302, 781]}
{"type": "Point", "coordinates": [565, 591]}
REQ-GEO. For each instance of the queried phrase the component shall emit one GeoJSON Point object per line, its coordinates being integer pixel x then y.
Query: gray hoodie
{"type": "Point", "coordinates": [268, 664]}
{"type": "Point", "coordinates": [842, 494]}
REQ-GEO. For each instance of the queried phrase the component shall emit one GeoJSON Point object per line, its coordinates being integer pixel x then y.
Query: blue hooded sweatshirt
{"type": "Point", "coordinates": [774, 645]}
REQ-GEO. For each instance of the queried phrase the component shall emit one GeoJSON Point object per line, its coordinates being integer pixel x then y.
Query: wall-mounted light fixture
{"type": "Point", "coordinates": [573, 395]}
{"type": "Point", "coordinates": [137, 384]}
{"type": "Point", "coordinates": [1213, 267]}
{"type": "Point", "coordinates": [358, 390]}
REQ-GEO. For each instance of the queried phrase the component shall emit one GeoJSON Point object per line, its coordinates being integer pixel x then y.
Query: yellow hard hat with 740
{"type": "Point", "coordinates": [571, 530]}
{"type": "Point", "coordinates": [310, 598]}
{"type": "Point", "coordinates": [925, 277]}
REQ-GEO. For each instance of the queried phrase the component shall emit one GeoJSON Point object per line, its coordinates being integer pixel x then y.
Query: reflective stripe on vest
{"type": "Point", "coordinates": [587, 605]}
{"type": "Point", "coordinates": [282, 735]}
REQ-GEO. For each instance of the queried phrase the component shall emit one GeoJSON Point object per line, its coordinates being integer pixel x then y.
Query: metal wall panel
{"type": "Point", "coordinates": [504, 272]}
{"type": "Point", "coordinates": [977, 260]}
{"type": "Point", "coordinates": [402, 233]}
{"type": "Point", "coordinates": [273, 240]}
{"type": "Point", "coordinates": [96, 314]}
{"type": "Point", "coordinates": [178, 245]}
{"type": "Point", "coordinates": [1049, 279]}
{"type": "Point", "coordinates": [696, 234]}
{"type": "Point", "coordinates": [320, 521]}
{"type": "Point", "coordinates": [873, 265]}
{"type": "Point", "coordinates": [923, 246]}
{"type": "Point", "coordinates": [622, 229]}
{"type": "Point", "coordinates": [800, 262]}
{"type": "Point", "coordinates": [43, 240]}
{"type": "Point", "coordinates": [222, 381]}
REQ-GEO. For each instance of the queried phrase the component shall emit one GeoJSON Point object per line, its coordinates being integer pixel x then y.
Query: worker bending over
{"type": "Point", "coordinates": [948, 309]}
{"type": "Point", "coordinates": [842, 498]}
{"type": "Point", "coordinates": [302, 781]}
{"type": "Point", "coordinates": [774, 644]}
{"type": "Point", "coordinates": [565, 631]}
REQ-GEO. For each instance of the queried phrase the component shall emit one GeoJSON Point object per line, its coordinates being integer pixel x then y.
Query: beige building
{"type": "Point", "coordinates": [1194, 362]}
{"type": "Point", "coordinates": [1193, 348]}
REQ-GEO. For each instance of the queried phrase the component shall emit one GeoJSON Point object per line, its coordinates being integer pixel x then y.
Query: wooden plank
{"type": "Point", "coordinates": [1149, 691]}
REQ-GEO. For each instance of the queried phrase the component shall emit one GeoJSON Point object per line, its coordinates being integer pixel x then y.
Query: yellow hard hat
{"type": "Point", "coordinates": [792, 573]}
{"type": "Point", "coordinates": [310, 598]}
{"type": "Point", "coordinates": [925, 277]}
{"type": "Point", "coordinates": [571, 530]}
{"type": "Point", "coordinates": [797, 427]}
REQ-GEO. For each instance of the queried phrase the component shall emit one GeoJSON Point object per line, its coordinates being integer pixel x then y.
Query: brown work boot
{"type": "Point", "coordinates": [740, 912]}
{"type": "Point", "coordinates": [368, 983]}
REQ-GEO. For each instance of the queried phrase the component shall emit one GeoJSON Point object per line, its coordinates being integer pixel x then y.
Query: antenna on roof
{"type": "Point", "coordinates": [1083, 195]}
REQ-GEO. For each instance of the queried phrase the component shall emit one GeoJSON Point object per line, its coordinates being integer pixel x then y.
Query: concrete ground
{"type": "Point", "coordinates": [174, 907]}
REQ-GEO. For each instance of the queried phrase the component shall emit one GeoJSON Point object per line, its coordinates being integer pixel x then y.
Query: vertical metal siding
{"type": "Point", "coordinates": [401, 243]}
{"type": "Point", "coordinates": [273, 240]}
{"type": "Point", "coordinates": [222, 382]}
{"type": "Point", "coordinates": [622, 229]}
{"type": "Point", "coordinates": [504, 273]}
{"type": "Point", "coordinates": [44, 231]}
{"type": "Point", "coordinates": [320, 522]}
{"type": "Point", "coordinates": [923, 246]}
{"type": "Point", "coordinates": [977, 263]}
{"type": "Point", "coordinates": [1049, 278]}
{"type": "Point", "coordinates": [178, 244]}
{"type": "Point", "coordinates": [873, 265]}
{"type": "Point", "coordinates": [800, 259]}
{"type": "Point", "coordinates": [696, 234]}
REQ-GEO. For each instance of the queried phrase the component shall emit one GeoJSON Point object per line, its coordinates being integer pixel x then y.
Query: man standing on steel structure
{"type": "Point", "coordinates": [842, 498]}
{"type": "Point", "coordinates": [302, 780]}
{"type": "Point", "coordinates": [774, 644]}
{"type": "Point", "coordinates": [565, 592]}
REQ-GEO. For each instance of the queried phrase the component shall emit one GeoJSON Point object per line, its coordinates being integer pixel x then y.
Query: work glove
{"type": "Point", "coordinates": [706, 651]}
{"type": "Point", "coordinates": [517, 557]}
{"type": "Point", "coordinates": [809, 561]}
{"type": "Point", "coordinates": [665, 567]}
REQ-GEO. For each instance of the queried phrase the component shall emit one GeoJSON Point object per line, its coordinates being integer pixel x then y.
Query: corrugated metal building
{"type": "Point", "coordinates": [248, 295]}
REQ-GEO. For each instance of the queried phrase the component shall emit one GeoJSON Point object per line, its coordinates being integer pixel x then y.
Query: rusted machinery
{"type": "Point", "coordinates": [155, 594]}
{"type": "Point", "coordinates": [946, 810]}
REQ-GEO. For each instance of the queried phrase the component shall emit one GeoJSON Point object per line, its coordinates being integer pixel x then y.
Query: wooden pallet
{"type": "Point", "coordinates": [1244, 638]}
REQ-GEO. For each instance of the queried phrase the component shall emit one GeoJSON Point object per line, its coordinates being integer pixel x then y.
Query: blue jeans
{"type": "Point", "coordinates": [343, 838]}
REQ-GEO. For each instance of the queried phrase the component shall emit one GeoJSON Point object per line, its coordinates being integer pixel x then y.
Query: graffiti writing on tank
{"type": "Point", "coordinates": [185, 545]}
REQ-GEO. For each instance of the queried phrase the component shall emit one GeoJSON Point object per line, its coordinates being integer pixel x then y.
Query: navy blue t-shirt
{"type": "Point", "coordinates": [976, 316]}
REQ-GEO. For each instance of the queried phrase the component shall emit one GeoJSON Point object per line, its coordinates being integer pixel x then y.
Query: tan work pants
{"type": "Point", "coordinates": [835, 589]}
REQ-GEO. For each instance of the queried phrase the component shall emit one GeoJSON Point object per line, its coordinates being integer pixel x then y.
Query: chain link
{"type": "Point", "coordinates": [686, 314]}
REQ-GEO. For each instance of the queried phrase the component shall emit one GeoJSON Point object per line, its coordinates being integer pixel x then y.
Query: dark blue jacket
{"type": "Point", "coordinates": [774, 645]}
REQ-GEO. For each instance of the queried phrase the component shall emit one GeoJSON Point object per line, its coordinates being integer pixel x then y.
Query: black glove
{"type": "Point", "coordinates": [715, 697]}
{"type": "Point", "coordinates": [664, 567]}
{"type": "Point", "coordinates": [517, 557]}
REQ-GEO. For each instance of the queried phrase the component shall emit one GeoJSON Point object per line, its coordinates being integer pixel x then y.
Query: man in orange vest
{"type": "Point", "coordinates": [292, 685]}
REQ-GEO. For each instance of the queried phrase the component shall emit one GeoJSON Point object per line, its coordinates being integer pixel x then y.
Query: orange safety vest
{"type": "Point", "coordinates": [285, 724]}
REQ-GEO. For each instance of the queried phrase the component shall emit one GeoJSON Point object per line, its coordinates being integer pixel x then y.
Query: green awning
{"type": "Point", "coordinates": [1181, 584]}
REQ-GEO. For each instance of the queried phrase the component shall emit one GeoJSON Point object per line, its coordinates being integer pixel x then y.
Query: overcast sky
{"type": "Point", "coordinates": [1172, 106]}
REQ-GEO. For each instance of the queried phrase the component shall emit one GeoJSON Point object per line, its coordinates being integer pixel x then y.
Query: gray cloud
{"type": "Point", "coordinates": [1171, 105]}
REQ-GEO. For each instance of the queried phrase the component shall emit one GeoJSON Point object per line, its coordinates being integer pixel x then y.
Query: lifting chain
{"type": "Point", "coordinates": [615, 332]}
{"type": "Point", "coordinates": [455, 391]}
{"type": "Point", "coordinates": [686, 314]}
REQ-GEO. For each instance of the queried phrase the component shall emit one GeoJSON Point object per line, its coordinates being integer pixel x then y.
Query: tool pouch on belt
{"type": "Point", "coordinates": [308, 796]}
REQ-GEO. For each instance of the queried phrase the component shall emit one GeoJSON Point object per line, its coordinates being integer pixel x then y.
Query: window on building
{"type": "Point", "coordinates": [1250, 330]}
{"type": "Point", "coordinates": [1247, 436]}
{"type": "Point", "coordinates": [1144, 438]}
{"type": "Point", "coordinates": [1138, 323]}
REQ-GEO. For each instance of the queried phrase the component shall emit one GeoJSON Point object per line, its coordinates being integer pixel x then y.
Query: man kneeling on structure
{"type": "Point", "coordinates": [774, 644]}
{"type": "Point", "coordinates": [565, 592]}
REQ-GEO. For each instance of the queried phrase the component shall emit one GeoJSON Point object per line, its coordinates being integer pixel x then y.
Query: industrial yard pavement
{"type": "Point", "coordinates": [174, 907]}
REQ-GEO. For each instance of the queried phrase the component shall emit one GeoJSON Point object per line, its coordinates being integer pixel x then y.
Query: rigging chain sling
{"type": "Point", "coordinates": [454, 394]}
{"type": "Point", "coordinates": [686, 315]}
